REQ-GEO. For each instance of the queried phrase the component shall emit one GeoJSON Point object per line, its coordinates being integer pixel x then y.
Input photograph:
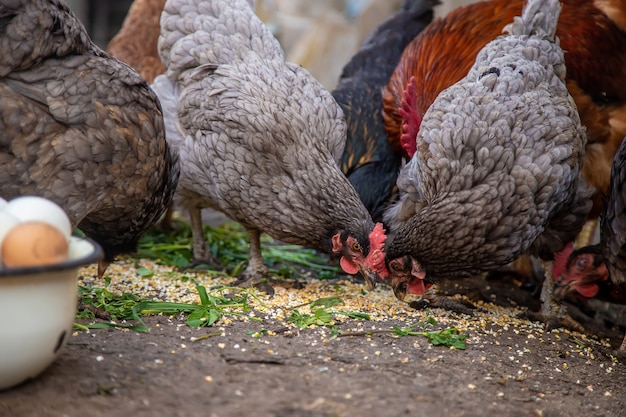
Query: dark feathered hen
{"type": "Point", "coordinates": [369, 160]}
{"type": "Point", "coordinates": [497, 168]}
{"type": "Point", "coordinates": [79, 127]}
{"type": "Point", "coordinates": [259, 138]}
{"type": "Point", "coordinates": [599, 271]}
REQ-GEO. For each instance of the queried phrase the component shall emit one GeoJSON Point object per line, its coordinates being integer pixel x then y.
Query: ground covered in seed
{"type": "Point", "coordinates": [260, 363]}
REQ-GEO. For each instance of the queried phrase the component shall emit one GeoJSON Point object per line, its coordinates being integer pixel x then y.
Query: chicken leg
{"type": "Point", "coordinates": [256, 271]}
{"type": "Point", "coordinates": [548, 307]}
{"type": "Point", "coordinates": [201, 253]}
{"type": "Point", "coordinates": [257, 274]}
{"type": "Point", "coordinates": [551, 313]}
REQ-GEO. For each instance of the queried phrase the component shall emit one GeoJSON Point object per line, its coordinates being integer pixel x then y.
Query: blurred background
{"type": "Point", "coordinates": [320, 35]}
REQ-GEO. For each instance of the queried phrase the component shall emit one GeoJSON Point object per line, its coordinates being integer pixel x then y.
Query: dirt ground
{"type": "Point", "coordinates": [506, 370]}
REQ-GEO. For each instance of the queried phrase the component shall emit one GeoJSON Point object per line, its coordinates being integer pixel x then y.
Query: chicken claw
{"type": "Point", "coordinates": [257, 274]}
{"type": "Point", "coordinates": [434, 300]}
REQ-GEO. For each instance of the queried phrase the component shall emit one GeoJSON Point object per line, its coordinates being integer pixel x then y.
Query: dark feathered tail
{"type": "Point", "coordinates": [369, 160]}
{"type": "Point", "coordinates": [418, 7]}
{"type": "Point", "coordinates": [381, 50]}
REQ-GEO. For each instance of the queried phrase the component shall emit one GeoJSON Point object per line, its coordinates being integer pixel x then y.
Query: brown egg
{"type": "Point", "coordinates": [34, 244]}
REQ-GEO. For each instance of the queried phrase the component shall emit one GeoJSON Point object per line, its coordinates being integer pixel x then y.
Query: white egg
{"type": "Point", "coordinates": [3, 203]}
{"type": "Point", "coordinates": [30, 208]}
{"type": "Point", "coordinates": [7, 222]}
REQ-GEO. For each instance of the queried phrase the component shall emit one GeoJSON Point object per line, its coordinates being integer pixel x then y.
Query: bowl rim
{"type": "Point", "coordinates": [95, 255]}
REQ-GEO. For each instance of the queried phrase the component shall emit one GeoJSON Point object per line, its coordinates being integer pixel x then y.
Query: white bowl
{"type": "Point", "coordinates": [37, 311]}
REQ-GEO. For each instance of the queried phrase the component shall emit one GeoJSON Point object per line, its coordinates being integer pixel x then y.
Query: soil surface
{"type": "Point", "coordinates": [506, 370]}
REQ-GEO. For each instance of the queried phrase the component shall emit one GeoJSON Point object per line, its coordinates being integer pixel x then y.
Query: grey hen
{"type": "Point", "coordinates": [497, 168]}
{"type": "Point", "coordinates": [79, 127]}
{"type": "Point", "coordinates": [259, 138]}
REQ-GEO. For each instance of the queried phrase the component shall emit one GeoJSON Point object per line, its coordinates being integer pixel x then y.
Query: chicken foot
{"type": "Point", "coordinates": [201, 253]}
{"type": "Point", "coordinates": [432, 299]}
{"type": "Point", "coordinates": [257, 274]}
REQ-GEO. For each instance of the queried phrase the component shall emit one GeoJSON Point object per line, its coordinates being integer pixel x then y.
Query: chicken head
{"type": "Point", "coordinates": [577, 273]}
{"type": "Point", "coordinates": [407, 275]}
{"type": "Point", "coordinates": [366, 257]}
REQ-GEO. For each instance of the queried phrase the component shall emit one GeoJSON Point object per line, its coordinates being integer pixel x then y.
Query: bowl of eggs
{"type": "Point", "coordinates": [39, 262]}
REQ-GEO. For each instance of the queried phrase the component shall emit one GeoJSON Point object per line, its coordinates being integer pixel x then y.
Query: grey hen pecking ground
{"type": "Point", "coordinates": [79, 127]}
{"type": "Point", "coordinates": [497, 168]}
{"type": "Point", "coordinates": [259, 138]}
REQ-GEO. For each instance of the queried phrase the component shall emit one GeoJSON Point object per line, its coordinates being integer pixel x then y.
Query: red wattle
{"type": "Point", "coordinates": [588, 290]}
{"type": "Point", "coordinates": [416, 286]}
{"type": "Point", "coordinates": [348, 266]}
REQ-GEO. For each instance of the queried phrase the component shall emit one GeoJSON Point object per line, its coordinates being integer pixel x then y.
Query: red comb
{"type": "Point", "coordinates": [376, 256]}
{"type": "Point", "coordinates": [410, 119]}
{"type": "Point", "coordinates": [560, 260]}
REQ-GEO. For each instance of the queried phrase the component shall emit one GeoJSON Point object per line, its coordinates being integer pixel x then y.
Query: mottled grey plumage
{"type": "Point", "coordinates": [79, 127]}
{"type": "Point", "coordinates": [498, 158]}
{"type": "Point", "coordinates": [259, 138]}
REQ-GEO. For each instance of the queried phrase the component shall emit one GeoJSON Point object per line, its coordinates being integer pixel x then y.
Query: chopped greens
{"type": "Point", "coordinates": [449, 336]}
{"type": "Point", "coordinates": [229, 244]}
{"type": "Point", "coordinates": [102, 303]}
{"type": "Point", "coordinates": [322, 315]}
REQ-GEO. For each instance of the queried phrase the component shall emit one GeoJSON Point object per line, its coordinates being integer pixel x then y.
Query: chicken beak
{"type": "Point", "coordinates": [370, 276]}
{"type": "Point", "coordinates": [400, 291]}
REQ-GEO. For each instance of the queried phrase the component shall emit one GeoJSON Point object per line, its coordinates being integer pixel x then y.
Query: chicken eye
{"type": "Point", "coordinates": [356, 247]}
{"type": "Point", "coordinates": [581, 263]}
{"type": "Point", "coordinates": [396, 266]}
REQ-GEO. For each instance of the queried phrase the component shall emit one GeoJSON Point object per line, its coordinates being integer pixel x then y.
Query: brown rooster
{"type": "Point", "coordinates": [593, 36]}
{"type": "Point", "coordinates": [368, 160]}
{"type": "Point", "coordinates": [79, 127]}
{"type": "Point", "coordinates": [599, 271]}
{"type": "Point", "coordinates": [259, 138]}
{"type": "Point", "coordinates": [136, 42]}
{"type": "Point", "coordinates": [497, 167]}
